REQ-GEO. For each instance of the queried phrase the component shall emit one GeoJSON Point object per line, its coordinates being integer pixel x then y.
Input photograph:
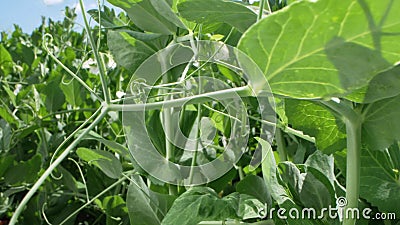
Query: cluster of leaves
{"type": "Point", "coordinates": [41, 106]}
{"type": "Point", "coordinates": [310, 52]}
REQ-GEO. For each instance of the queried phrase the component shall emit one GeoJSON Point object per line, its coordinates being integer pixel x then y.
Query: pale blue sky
{"type": "Point", "coordinates": [27, 13]}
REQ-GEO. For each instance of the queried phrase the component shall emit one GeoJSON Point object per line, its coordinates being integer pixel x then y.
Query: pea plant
{"type": "Point", "coordinates": [204, 112]}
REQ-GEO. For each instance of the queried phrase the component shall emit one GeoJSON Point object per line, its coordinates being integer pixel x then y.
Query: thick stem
{"type": "Point", "coordinates": [167, 120]}
{"type": "Point", "coordinates": [52, 166]}
{"type": "Point", "coordinates": [353, 120]}
{"type": "Point", "coordinates": [353, 128]}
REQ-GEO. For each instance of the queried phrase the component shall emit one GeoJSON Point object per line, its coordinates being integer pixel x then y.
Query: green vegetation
{"type": "Point", "coordinates": [69, 138]}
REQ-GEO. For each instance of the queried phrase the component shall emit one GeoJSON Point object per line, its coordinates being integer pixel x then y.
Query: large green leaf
{"type": "Point", "coordinates": [150, 15]}
{"type": "Point", "coordinates": [316, 121]}
{"type": "Point", "coordinates": [320, 48]}
{"type": "Point", "coordinates": [217, 11]}
{"type": "Point", "coordinates": [128, 51]}
{"type": "Point", "coordinates": [103, 160]}
{"type": "Point", "coordinates": [203, 204]}
{"type": "Point", "coordinates": [379, 184]}
{"type": "Point", "coordinates": [381, 125]}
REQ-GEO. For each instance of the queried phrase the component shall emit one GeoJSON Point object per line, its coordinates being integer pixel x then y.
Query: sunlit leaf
{"type": "Point", "coordinates": [316, 49]}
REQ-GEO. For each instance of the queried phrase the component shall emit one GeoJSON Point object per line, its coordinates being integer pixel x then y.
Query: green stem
{"type": "Point", "coordinates": [99, 60]}
{"type": "Point", "coordinates": [260, 13]}
{"type": "Point", "coordinates": [76, 77]}
{"type": "Point", "coordinates": [280, 145]}
{"type": "Point", "coordinates": [353, 130]}
{"type": "Point", "coordinates": [52, 166]}
{"type": "Point", "coordinates": [68, 111]}
{"type": "Point", "coordinates": [168, 132]}
{"type": "Point", "coordinates": [72, 135]}
{"type": "Point", "coordinates": [122, 179]}
{"type": "Point", "coordinates": [201, 98]}
{"type": "Point", "coordinates": [353, 121]}
{"type": "Point", "coordinates": [197, 135]}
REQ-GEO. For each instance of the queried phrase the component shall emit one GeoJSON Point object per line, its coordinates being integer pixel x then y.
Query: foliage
{"type": "Point", "coordinates": [331, 66]}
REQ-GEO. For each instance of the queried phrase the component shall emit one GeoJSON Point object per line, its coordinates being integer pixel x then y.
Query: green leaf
{"type": "Point", "coordinates": [325, 165]}
{"type": "Point", "coordinates": [128, 51]}
{"type": "Point", "coordinates": [196, 205]}
{"type": "Point", "coordinates": [103, 160]}
{"type": "Point", "coordinates": [10, 94]}
{"type": "Point", "coordinates": [23, 172]}
{"type": "Point", "coordinates": [145, 37]}
{"type": "Point", "coordinates": [60, 208]}
{"type": "Point", "coordinates": [73, 92]}
{"type": "Point", "coordinates": [305, 187]}
{"type": "Point", "coordinates": [6, 114]}
{"type": "Point", "coordinates": [152, 16]}
{"type": "Point", "coordinates": [383, 85]}
{"type": "Point", "coordinates": [249, 207]}
{"type": "Point", "coordinates": [224, 182]}
{"type": "Point", "coordinates": [164, 8]}
{"type": "Point", "coordinates": [203, 204]}
{"type": "Point", "coordinates": [142, 208]}
{"type": "Point", "coordinates": [318, 122]}
{"type": "Point", "coordinates": [68, 180]}
{"type": "Point", "coordinates": [381, 127]}
{"type": "Point", "coordinates": [378, 182]}
{"type": "Point", "coordinates": [107, 18]}
{"type": "Point", "coordinates": [254, 186]}
{"type": "Point", "coordinates": [55, 97]}
{"type": "Point", "coordinates": [271, 179]}
{"type": "Point", "coordinates": [270, 174]}
{"type": "Point", "coordinates": [213, 11]}
{"type": "Point", "coordinates": [6, 62]}
{"type": "Point", "coordinates": [112, 145]}
{"type": "Point", "coordinates": [20, 52]}
{"type": "Point", "coordinates": [114, 207]}
{"type": "Point", "coordinates": [5, 162]}
{"type": "Point", "coordinates": [316, 49]}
